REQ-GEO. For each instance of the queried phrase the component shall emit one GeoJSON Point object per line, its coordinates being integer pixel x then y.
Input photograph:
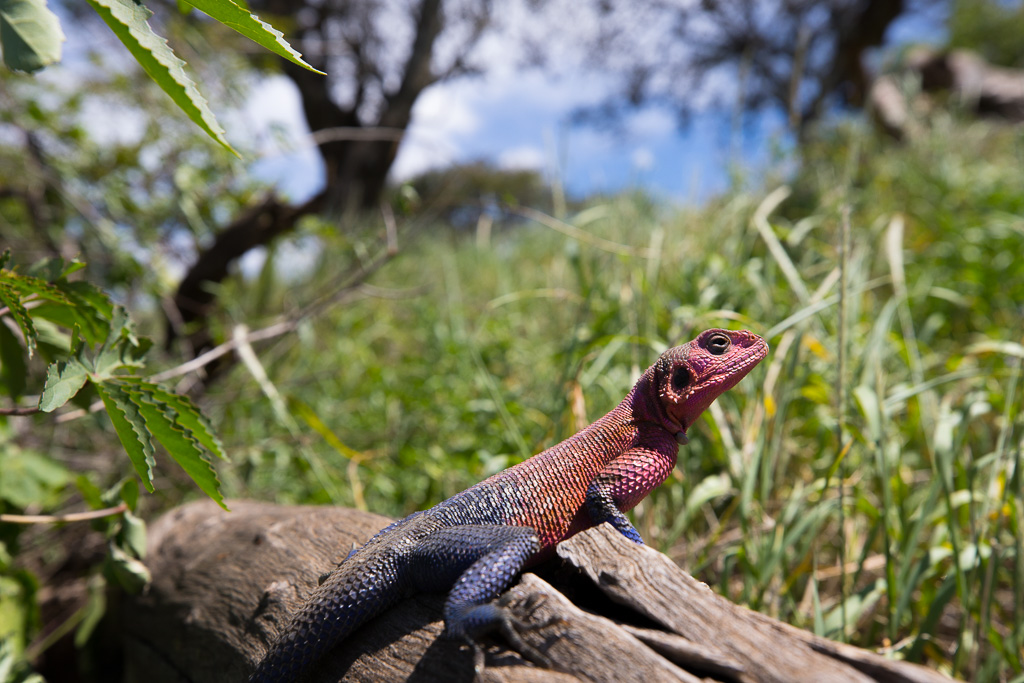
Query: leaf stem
{"type": "Point", "coordinates": [71, 517]}
{"type": "Point", "coordinates": [28, 410]}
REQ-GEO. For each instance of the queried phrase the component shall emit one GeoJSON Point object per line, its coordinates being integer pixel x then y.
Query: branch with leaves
{"type": "Point", "coordinates": [103, 356]}
{"type": "Point", "coordinates": [31, 37]}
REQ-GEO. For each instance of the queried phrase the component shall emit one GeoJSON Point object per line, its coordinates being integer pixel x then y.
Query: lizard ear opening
{"type": "Point", "coordinates": [680, 378]}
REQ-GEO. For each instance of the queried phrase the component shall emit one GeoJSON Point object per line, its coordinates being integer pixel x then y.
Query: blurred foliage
{"type": "Point", "coordinates": [463, 195]}
{"type": "Point", "coordinates": [135, 199]}
{"type": "Point", "coordinates": [990, 27]}
{"type": "Point", "coordinates": [31, 37]}
{"type": "Point", "coordinates": [91, 349]}
{"type": "Point", "coordinates": [877, 502]}
{"type": "Point", "coordinates": [132, 202]}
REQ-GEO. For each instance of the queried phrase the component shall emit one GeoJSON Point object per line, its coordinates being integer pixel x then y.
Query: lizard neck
{"type": "Point", "coordinates": [638, 420]}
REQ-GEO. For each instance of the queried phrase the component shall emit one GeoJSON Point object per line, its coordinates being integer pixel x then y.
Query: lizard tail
{"type": "Point", "coordinates": [346, 600]}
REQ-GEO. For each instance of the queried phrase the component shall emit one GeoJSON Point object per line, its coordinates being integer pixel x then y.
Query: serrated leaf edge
{"type": "Point", "coordinates": [187, 95]}
{"type": "Point", "coordinates": [278, 45]}
{"type": "Point", "coordinates": [141, 389]}
{"type": "Point", "coordinates": [166, 397]}
{"type": "Point", "coordinates": [10, 298]}
{"type": "Point", "coordinates": [56, 373]}
{"type": "Point", "coordinates": [28, 284]}
{"type": "Point", "coordinates": [145, 438]}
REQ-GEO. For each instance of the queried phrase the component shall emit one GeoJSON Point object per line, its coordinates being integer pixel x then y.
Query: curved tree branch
{"type": "Point", "coordinates": [256, 227]}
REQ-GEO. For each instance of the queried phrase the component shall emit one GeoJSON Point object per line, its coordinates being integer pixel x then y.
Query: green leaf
{"type": "Point", "coordinates": [89, 296]}
{"type": "Point", "coordinates": [130, 493]}
{"type": "Point", "coordinates": [122, 348]}
{"type": "Point", "coordinates": [90, 492]}
{"type": "Point", "coordinates": [13, 369]}
{"type": "Point", "coordinates": [121, 325]}
{"type": "Point", "coordinates": [165, 424]}
{"type": "Point", "coordinates": [252, 27]}
{"type": "Point", "coordinates": [18, 613]}
{"type": "Point", "coordinates": [131, 429]}
{"type": "Point", "coordinates": [30, 34]}
{"type": "Point", "coordinates": [131, 574]}
{"type": "Point", "coordinates": [64, 379]}
{"type": "Point", "coordinates": [128, 21]}
{"type": "Point", "coordinates": [30, 479]}
{"type": "Point", "coordinates": [26, 284]}
{"type": "Point", "coordinates": [90, 308]}
{"type": "Point", "coordinates": [12, 300]}
{"type": "Point", "coordinates": [54, 268]}
{"type": "Point", "coordinates": [188, 413]}
{"type": "Point", "coordinates": [133, 535]}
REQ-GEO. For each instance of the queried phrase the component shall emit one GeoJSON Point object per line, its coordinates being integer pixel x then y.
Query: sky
{"type": "Point", "coordinates": [513, 119]}
{"type": "Point", "coordinates": [518, 119]}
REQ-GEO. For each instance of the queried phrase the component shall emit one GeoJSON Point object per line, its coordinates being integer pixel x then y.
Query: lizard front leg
{"type": "Point", "coordinates": [627, 480]}
{"type": "Point", "coordinates": [602, 508]}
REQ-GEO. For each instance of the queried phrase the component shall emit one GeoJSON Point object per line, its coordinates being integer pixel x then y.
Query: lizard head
{"type": "Point", "coordinates": [689, 377]}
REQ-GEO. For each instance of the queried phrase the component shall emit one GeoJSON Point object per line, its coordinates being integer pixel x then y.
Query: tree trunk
{"type": "Point", "coordinates": [224, 583]}
{"type": "Point", "coordinates": [356, 170]}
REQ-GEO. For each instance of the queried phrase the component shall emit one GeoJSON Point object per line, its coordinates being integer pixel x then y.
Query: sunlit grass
{"type": "Point", "coordinates": [882, 507]}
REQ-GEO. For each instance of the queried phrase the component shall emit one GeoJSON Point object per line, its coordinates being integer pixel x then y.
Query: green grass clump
{"type": "Point", "coordinates": [863, 482]}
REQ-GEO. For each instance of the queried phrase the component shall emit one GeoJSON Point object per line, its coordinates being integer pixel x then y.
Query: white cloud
{"type": "Point", "coordinates": [524, 157]}
{"type": "Point", "coordinates": [444, 109]}
{"type": "Point", "coordinates": [536, 90]}
{"type": "Point", "coordinates": [441, 117]}
{"type": "Point", "coordinates": [109, 123]}
{"type": "Point", "coordinates": [643, 159]}
{"type": "Point", "coordinates": [651, 122]}
{"type": "Point", "coordinates": [275, 102]}
{"type": "Point", "coordinates": [274, 125]}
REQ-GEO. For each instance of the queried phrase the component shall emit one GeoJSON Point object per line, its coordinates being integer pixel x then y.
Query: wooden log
{"type": "Point", "coordinates": [224, 583]}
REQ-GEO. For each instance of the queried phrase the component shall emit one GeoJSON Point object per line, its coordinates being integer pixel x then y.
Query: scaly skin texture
{"type": "Point", "coordinates": [475, 543]}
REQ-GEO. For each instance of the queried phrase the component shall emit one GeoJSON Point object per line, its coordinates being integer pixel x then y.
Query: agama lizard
{"type": "Point", "coordinates": [477, 541]}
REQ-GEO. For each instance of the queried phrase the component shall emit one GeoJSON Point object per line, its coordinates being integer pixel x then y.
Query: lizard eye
{"type": "Point", "coordinates": [718, 344]}
{"type": "Point", "coordinates": [680, 378]}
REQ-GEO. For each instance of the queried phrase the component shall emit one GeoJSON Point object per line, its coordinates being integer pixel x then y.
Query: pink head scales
{"type": "Point", "coordinates": [686, 379]}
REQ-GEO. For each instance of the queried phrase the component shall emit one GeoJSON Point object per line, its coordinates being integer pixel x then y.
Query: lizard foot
{"type": "Point", "coordinates": [496, 616]}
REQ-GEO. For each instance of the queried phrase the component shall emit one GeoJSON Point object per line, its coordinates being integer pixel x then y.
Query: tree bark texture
{"type": "Point", "coordinates": [607, 610]}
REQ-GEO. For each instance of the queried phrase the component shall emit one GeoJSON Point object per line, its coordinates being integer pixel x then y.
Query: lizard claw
{"type": "Point", "coordinates": [510, 628]}
{"type": "Point", "coordinates": [500, 618]}
{"type": "Point", "coordinates": [479, 663]}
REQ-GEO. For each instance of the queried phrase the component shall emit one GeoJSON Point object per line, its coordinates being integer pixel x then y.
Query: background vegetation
{"type": "Point", "coordinates": [863, 483]}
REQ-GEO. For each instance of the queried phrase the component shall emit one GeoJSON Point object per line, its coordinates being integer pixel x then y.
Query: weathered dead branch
{"type": "Point", "coordinates": [223, 584]}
